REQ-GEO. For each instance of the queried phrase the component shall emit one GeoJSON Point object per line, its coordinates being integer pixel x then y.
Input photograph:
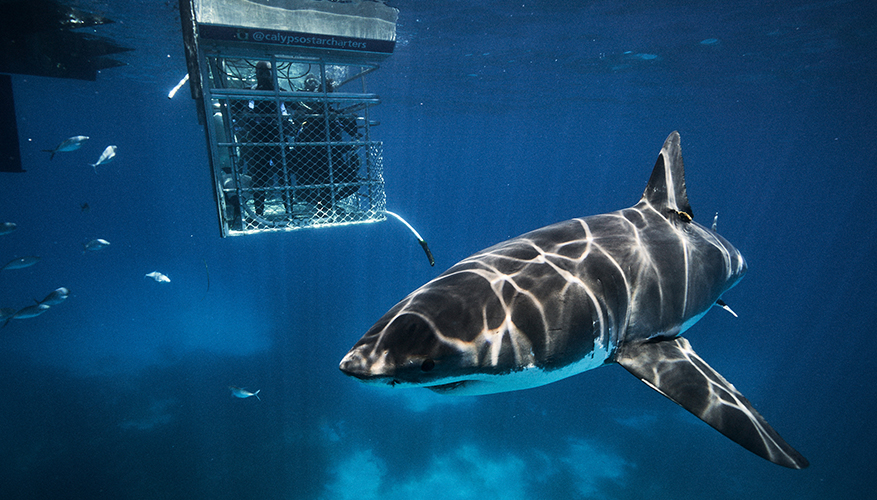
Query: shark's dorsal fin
{"type": "Point", "coordinates": [676, 371]}
{"type": "Point", "coordinates": [666, 189]}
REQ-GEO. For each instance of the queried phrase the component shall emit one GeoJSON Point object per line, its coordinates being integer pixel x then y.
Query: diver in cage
{"type": "Point", "coordinates": [261, 124]}
{"type": "Point", "coordinates": [315, 175]}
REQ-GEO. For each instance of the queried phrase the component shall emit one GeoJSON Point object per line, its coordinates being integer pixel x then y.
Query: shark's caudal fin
{"type": "Point", "coordinates": [676, 371]}
{"type": "Point", "coordinates": [666, 188]}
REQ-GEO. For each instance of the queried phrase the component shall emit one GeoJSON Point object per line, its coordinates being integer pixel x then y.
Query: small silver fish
{"type": "Point", "coordinates": [69, 144]}
{"type": "Point", "coordinates": [27, 312]}
{"type": "Point", "coordinates": [30, 311]}
{"type": "Point", "coordinates": [105, 157]}
{"type": "Point", "coordinates": [7, 227]}
{"type": "Point", "coordinates": [21, 263]}
{"type": "Point", "coordinates": [157, 276]}
{"type": "Point", "coordinates": [97, 244]}
{"type": "Point", "coordinates": [56, 297]}
{"type": "Point", "coordinates": [243, 393]}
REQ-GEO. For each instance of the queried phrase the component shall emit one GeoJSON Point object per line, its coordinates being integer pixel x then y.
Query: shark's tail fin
{"type": "Point", "coordinates": [51, 151]}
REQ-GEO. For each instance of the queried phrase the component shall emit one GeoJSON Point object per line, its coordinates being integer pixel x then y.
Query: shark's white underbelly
{"type": "Point", "coordinates": [526, 378]}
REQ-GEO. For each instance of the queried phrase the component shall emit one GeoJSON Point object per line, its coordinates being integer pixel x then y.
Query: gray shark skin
{"type": "Point", "coordinates": [617, 288]}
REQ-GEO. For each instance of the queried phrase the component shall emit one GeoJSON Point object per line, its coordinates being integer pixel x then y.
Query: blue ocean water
{"type": "Point", "coordinates": [497, 118]}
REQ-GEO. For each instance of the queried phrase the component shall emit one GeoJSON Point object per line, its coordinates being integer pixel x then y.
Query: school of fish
{"type": "Point", "coordinates": [60, 294]}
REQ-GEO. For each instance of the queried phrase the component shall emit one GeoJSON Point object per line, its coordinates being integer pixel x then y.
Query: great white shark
{"type": "Point", "coordinates": [617, 288]}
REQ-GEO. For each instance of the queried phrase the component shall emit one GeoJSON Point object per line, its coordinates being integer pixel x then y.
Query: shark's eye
{"type": "Point", "coordinates": [427, 365]}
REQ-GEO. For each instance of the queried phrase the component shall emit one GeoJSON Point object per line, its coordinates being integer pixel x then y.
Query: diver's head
{"type": "Point", "coordinates": [330, 85]}
{"type": "Point", "coordinates": [263, 76]}
{"type": "Point", "coordinates": [312, 83]}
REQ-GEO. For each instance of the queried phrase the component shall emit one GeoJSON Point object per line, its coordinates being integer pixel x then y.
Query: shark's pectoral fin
{"type": "Point", "coordinates": [676, 371]}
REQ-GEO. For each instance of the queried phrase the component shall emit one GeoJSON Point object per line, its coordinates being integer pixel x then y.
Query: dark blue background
{"type": "Point", "coordinates": [497, 118]}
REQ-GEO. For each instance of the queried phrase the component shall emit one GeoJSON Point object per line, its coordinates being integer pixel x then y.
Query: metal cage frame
{"type": "Point", "coordinates": [294, 154]}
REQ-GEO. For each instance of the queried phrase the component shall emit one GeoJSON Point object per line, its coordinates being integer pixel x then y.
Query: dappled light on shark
{"type": "Point", "coordinates": [617, 288]}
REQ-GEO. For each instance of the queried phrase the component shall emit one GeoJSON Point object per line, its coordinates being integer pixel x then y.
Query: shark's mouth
{"type": "Point", "coordinates": [444, 388]}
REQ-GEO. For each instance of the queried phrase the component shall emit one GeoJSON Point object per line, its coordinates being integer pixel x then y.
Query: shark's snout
{"type": "Point", "coordinates": [354, 365]}
{"type": "Point", "coordinates": [358, 364]}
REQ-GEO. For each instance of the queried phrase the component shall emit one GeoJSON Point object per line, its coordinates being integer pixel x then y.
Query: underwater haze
{"type": "Point", "coordinates": [497, 118]}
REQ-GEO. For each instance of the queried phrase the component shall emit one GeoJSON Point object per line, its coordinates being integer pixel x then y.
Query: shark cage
{"type": "Point", "coordinates": [281, 89]}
